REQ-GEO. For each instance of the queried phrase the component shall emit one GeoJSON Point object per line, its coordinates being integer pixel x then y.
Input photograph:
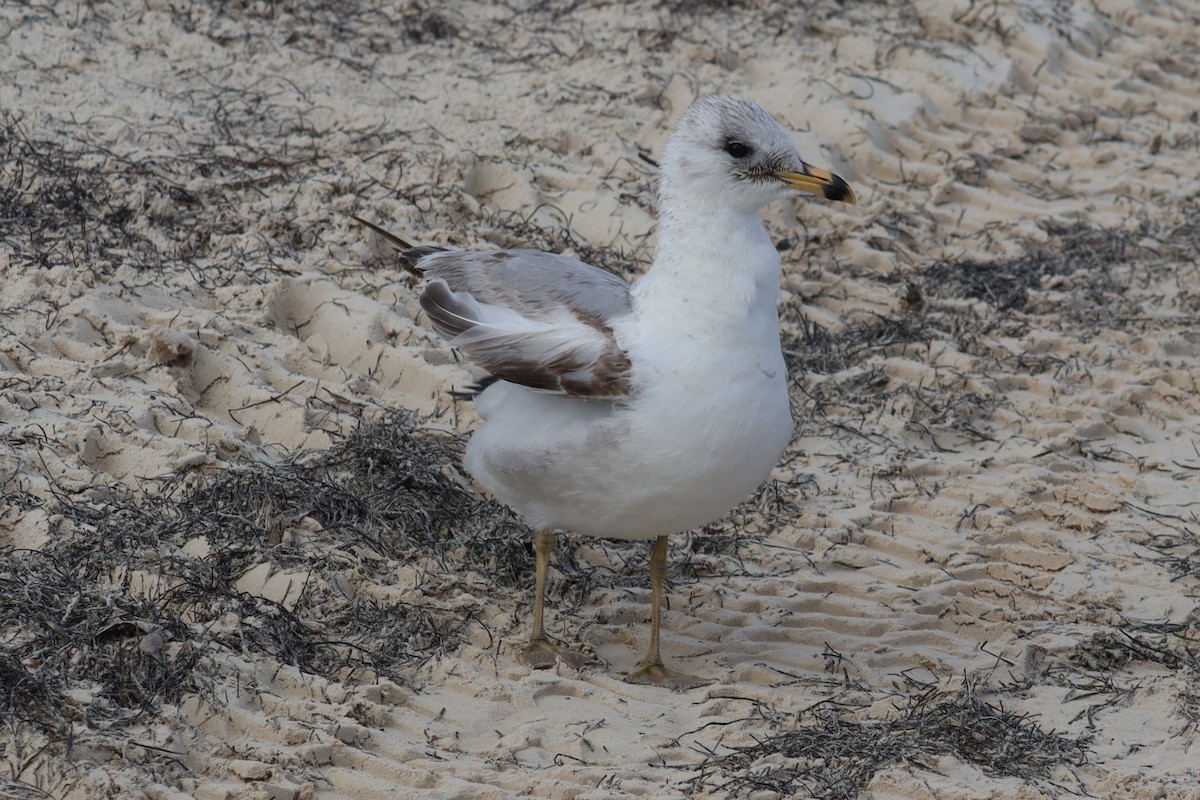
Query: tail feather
{"type": "Point", "coordinates": [410, 254]}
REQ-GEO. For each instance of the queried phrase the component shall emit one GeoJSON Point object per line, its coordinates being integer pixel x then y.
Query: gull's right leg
{"type": "Point", "coordinates": [541, 653]}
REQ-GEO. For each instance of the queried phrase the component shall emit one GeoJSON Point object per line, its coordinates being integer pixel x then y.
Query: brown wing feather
{"type": "Point", "coordinates": [585, 363]}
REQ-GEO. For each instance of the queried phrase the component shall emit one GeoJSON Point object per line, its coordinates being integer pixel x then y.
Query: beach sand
{"type": "Point", "coordinates": [238, 557]}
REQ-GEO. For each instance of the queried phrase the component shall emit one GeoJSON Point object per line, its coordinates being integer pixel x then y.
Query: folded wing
{"type": "Point", "coordinates": [533, 318]}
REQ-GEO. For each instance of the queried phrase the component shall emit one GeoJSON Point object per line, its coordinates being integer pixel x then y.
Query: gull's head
{"type": "Point", "coordinates": [730, 152]}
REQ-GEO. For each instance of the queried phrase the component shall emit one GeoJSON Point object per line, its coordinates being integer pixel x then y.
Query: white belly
{"type": "Point", "coordinates": [677, 457]}
{"type": "Point", "coordinates": [722, 446]}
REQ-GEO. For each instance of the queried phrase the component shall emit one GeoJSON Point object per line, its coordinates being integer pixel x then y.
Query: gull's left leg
{"type": "Point", "coordinates": [652, 670]}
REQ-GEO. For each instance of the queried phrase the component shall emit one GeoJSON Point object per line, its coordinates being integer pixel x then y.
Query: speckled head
{"type": "Point", "coordinates": [730, 152]}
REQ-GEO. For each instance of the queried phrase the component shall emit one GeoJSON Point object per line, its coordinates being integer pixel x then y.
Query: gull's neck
{"type": "Point", "coordinates": [714, 264]}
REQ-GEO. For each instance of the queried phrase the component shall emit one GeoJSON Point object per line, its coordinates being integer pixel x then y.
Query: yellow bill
{"type": "Point", "coordinates": [819, 181]}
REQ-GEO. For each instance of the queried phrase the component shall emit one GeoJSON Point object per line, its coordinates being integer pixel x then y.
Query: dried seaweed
{"type": "Point", "coordinates": [1107, 668]}
{"type": "Point", "coordinates": [138, 594]}
{"type": "Point", "coordinates": [82, 205]}
{"type": "Point", "coordinates": [1080, 251]}
{"type": "Point", "coordinates": [58, 206]}
{"type": "Point", "coordinates": [817, 350]}
{"type": "Point", "coordinates": [827, 754]}
{"type": "Point", "coordinates": [1177, 548]}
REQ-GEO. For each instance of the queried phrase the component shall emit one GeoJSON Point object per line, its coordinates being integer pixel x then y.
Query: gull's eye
{"type": "Point", "coordinates": [737, 149]}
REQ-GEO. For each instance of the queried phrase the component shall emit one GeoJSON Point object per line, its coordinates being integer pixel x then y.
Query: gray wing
{"type": "Point", "coordinates": [530, 317]}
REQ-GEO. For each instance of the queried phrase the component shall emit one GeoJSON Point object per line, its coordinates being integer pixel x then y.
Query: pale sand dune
{"type": "Point", "coordinates": [991, 495]}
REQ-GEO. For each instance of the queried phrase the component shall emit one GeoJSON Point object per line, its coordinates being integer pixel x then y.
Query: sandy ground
{"type": "Point", "coordinates": [975, 575]}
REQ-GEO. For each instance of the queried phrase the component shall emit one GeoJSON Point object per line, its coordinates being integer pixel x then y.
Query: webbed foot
{"type": "Point", "coordinates": [544, 654]}
{"type": "Point", "coordinates": [657, 674]}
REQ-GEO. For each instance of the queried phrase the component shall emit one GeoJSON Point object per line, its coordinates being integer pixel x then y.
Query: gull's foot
{"type": "Point", "coordinates": [659, 675]}
{"type": "Point", "coordinates": [544, 654]}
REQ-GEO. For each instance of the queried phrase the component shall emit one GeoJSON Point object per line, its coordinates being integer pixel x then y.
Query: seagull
{"type": "Point", "coordinates": [644, 409]}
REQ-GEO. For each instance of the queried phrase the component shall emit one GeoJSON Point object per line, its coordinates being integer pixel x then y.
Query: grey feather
{"type": "Point", "coordinates": [576, 355]}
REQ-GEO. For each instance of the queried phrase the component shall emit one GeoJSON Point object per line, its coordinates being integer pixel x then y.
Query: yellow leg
{"type": "Point", "coordinates": [652, 670]}
{"type": "Point", "coordinates": [543, 546]}
{"type": "Point", "coordinates": [541, 653]}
